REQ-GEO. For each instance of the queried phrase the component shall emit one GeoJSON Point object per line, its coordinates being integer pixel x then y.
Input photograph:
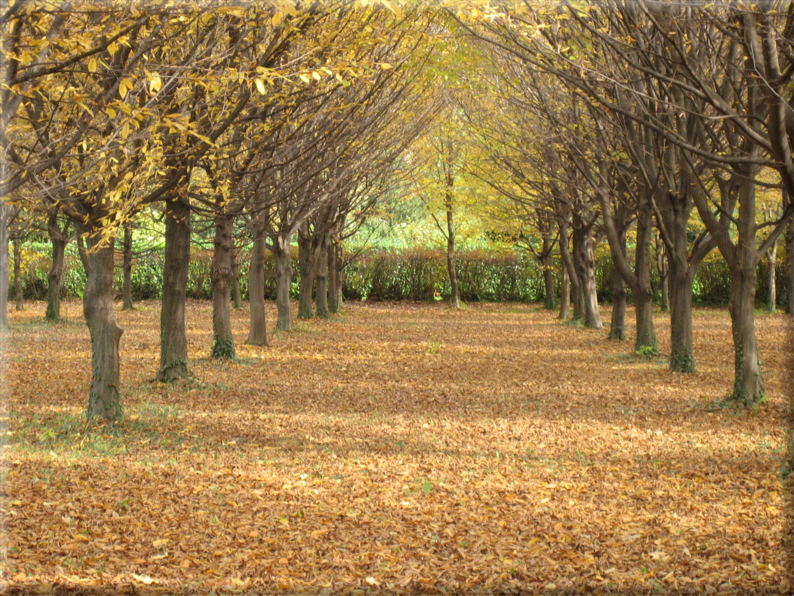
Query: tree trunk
{"type": "Point", "coordinates": [4, 266]}
{"type": "Point", "coordinates": [789, 242]}
{"type": "Point", "coordinates": [127, 266]}
{"type": "Point", "coordinates": [82, 251]}
{"type": "Point", "coordinates": [333, 278]}
{"type": "Point", "coordinates": [771, 301]}
{"type": "Point", "coordinates": [643, 293]}
{"type": "Point", "coordinates": [223, 339]}
{"type": "Point", "coordinates": [236, 295]}
{"type": "Point", "coordinates": [664, 275]}
{"type": "Point", "coordinates": [103, 396]}
{"type": "Point", "coordinates": [321, 279]}
{"type": "Point", "coordinates": [583, 252]}
{"type": "Point", "coordinates": [339, 268]}
{"type": "Point", "coordinates": [257, 332]}
{"type": "Point", "coordinates": [681, 277]}
{"type": "Point", "coordinates": [565, 294]}
{"type": "Point", "coordinates": [281, 252]}
{"type": "Point", "coordinates": [307, 261]}
{"type": "Point", "coordinates": [570, 267]}
{"type": "Point", "coordinates": [748, 385]}
{"type": "Point", "coordinates": [173, 335]}
{"type": "Point", "coordinates": [18, 275]}
{"type": "Point", "coordinates": [454, 298]}
{"type": "Point", "coordinates": [55, 276]}
{"type": "Point", "coordinates": [639, 280]}
{"type": "Point", "coordinates": [617, 327]}
{"type": "Point", "coordinates": [549, 302]}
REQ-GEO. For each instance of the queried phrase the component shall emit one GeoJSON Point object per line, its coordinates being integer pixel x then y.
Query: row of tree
{"type": "Point", "coordinates": [559, 125]}
{"type": "Point", "coordinates": [675, 117]}
{"type": "Point", "coordinates": [265, 122]}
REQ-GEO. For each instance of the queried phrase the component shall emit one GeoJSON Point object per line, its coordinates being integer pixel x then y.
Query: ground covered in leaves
{"type": "Point", "coordinates": [396, 448]}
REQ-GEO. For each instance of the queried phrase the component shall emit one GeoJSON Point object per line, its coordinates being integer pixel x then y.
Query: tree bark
{"type": "Point", "coordinates": [640, 278]}
{"type": "Point", "coordinates": [748, 385]}
{"type": "Point", "coordinates": [339, 268]}
{"type": "Point", "coordinates": [584, 259]}
{"type": "Point", "coordinates": [565, 294]}
{"type": "Point", "coordinates": [55, 276]}
{"type": "Point", "coordinates": [103, 395]}
{"type": "Point", "coordinates": [549, 295]}
{"type": "Point", "coordinates": [681, 277]}
{"type": "Point", "coordinates": [743, 259]}
{"type": "Point", "coordinates": [173, 335]}
{"type": "Point", "coordinates": [82, 251]}
{"type": "Point", "coordinates": [617, 327]}
{"type": "Point", "coordinates": [321, 279]}
{"type": "Point", "coordinates": [771, 300]}
{"type": "Point", "coordinates": [643, 292]}
{"type": "Point", "coordinates": [236, 295]}
{"type": "Point", "coordinates": [454, 299]}
{"type": "Point", "coordinates": [333, 278]}
{"type": "Point", "coordinates": [664, 272]}
{"type": "Point", "coordinates": [283, 257]}
{"type": "Point", "coordinates": [307, 261]}
{"type": "Point", "coordinates": [4, 266]}
{"type": "Point", "coordinates": [790, 268]}
{"type": "Point", "coordinates": [789, 243]}
{"type": "Point", "coordinates": [681, 269]}
{"type": "Point", "coordinates": [257, 331]}
{"type": "Point", "coordinates": [573, 278]}
{"type": "Point", "coordinates": [223, 339]}
{"type": "Point", "coordinates": [127, 266]}
{"type": "Point", "coordinates": [18, 274]}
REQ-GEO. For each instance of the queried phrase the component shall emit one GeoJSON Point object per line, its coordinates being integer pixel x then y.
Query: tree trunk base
{"type": "Point", "coordinates": [173, 371]}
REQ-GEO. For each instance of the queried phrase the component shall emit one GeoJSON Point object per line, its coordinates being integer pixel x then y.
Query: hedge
{"type": "Point", "coordinates": [483, 276]}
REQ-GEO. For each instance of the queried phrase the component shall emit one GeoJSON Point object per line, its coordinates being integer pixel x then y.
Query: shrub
{"type": "Point", "coordinates": [483, 276]}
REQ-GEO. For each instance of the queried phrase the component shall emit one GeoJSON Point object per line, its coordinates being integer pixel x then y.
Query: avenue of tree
{"type": "Point", "coordinates": [664, 130]}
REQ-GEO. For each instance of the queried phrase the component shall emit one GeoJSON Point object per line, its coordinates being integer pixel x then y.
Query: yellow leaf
{"type": "Point", "coordinates": [260, 86]}
{"type": "Point", "coordinates": [155, 82]}
{"type": "Point", "coordinates": [144, 579]}
{"type": "Point", "coordinates": [385, 65]}
{"type": "Point", "coordinates": [92, 64]}
{"type": "Point", "coordinates": [111, 112]}
{"type": "Point", "coordinates": [123, 88]}
{"type": "Point", "coordinates": [316, 75]}
{"type": "Point", "coordinates": [276, 19]}
{"type": "Point", "coordinates": [160, 542]}
{"type": "Point", "coordinates": [304, 78]}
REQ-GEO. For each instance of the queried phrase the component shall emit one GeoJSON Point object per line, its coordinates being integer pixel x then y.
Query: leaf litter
{"type": "Point", "coordinates": [397, 448]}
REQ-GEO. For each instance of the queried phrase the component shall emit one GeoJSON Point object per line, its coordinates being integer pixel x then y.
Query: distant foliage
{"type": "Point", "coordinates": [419, 274]}
{"type": "Point", "coordinates": [422, 274]}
